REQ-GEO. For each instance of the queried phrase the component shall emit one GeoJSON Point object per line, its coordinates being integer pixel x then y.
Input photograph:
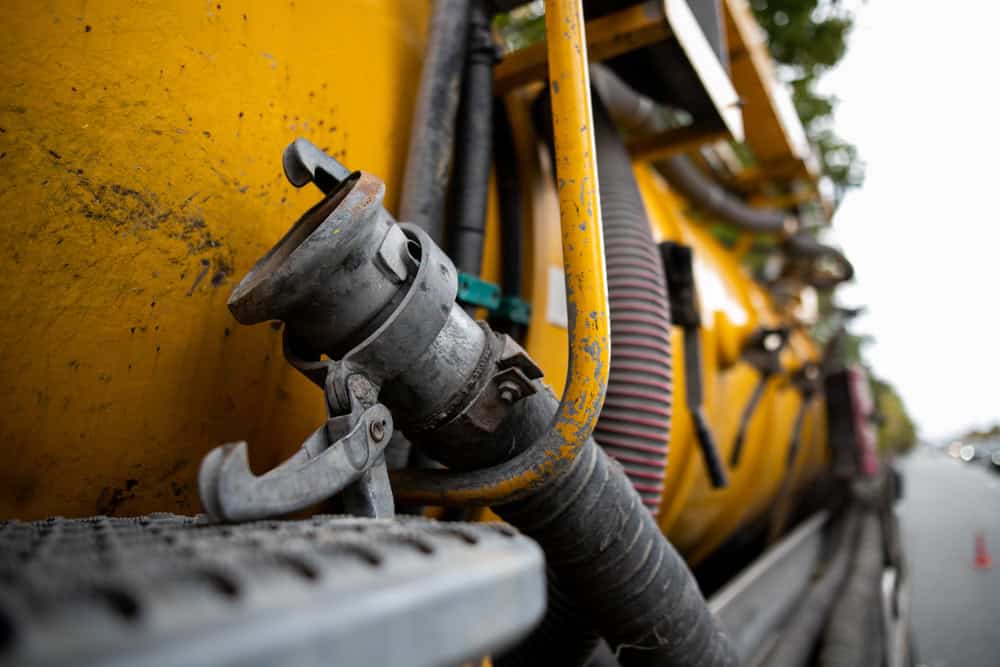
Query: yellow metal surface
{"type": "Point", "coordinates": [773, 129]}
{"type": "Point", "coordinates": [696, 516]}
{"type": "Point", "coordinates": [586, 288]}
{"type": "Point", "coordinates": [607, 37]}
{"type": "Point", "coordinates": [632, 28]}
{"type": "Point", "coordinates": [141, 147]}
{"type": "Point", "coordinates": [140, 153]}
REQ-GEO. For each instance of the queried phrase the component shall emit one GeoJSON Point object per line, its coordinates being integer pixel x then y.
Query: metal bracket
{"type": "Point", "coordinates": [513, 309]}
{"type": "Point", "coordinates": [763, 352]}
{"type": "Point", "coordinates": [475, 291]}
{"type": "Point", "coordinates": [678, 268]}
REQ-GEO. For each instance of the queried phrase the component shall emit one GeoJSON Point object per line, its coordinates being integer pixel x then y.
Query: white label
{"type": "Point", "coordinates": [555, 306]}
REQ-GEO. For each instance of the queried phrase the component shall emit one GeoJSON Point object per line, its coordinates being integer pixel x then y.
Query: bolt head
{"type": "Point", "coordinates": [509, 392]}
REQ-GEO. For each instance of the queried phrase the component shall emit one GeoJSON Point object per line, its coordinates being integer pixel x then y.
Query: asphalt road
{"type": "Point", "coordinates": [956, 607]}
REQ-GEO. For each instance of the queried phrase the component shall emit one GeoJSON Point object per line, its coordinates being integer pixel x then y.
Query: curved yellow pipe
{"type": "Point", "coordinates": [586, 290]}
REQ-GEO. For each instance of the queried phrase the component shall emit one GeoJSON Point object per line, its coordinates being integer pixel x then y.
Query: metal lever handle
{"type": "Point", "coordinates": [319, 470]}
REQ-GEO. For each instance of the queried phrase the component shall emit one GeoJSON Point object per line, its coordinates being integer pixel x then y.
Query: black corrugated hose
{"type": "Point", "coordinates": [632, 110]}
{"type": "Point", "coordinates": [611, 560]}
{"type": "Point", "coordinates": [634, 426]}
{"type": "Point", "coordinates": [604, 549]}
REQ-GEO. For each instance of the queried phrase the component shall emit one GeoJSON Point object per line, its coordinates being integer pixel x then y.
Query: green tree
{"type": "Point", "coordinates": [896, 432]}
{"type": "Point", "coordinates": [807, 38]}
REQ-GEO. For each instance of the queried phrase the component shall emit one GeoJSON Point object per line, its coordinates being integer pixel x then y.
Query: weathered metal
{"type": "Point", "coordinates": [586, 289]}
{"type": "Point", "coordinates": [379, 299]}
{"type": "Point", "coordinates": [171, 590]}
{"type": "Point", "coordinates": [345, 454]}
{"type": "Point", "coordinates": [139, 148]}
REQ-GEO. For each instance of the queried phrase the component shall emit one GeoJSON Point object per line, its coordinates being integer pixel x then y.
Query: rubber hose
{"type": "Point", "coordinates": [634, 111]}
{"type": "Point", "coordinates": [854, 635]}
{"type": "Point", "coordinates": [511, 227]}
{"type": "Point", "coordinates": [634, 425]}
{"type": "Point", "coordinates": [428, 159]}
{"type": "Point", "coordinates": [564, 636]}
{"type": "Point", "coordinates": [609, 556]}
{"type": "Point", "coordinates": [702, 191]}
{"type": "Point", "coordinates": [799, 637]}
{"type": "Point", "coordinates": [474, 148]}
{"type": "Point", "coordinates": [802, 246]}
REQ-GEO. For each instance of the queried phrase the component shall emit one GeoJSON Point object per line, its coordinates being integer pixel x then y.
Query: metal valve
{"type": "Point", "coordinates": [370, 317]}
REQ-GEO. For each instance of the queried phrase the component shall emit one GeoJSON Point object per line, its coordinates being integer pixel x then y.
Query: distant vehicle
{"type": "Point", "coordinates": [985, 453]}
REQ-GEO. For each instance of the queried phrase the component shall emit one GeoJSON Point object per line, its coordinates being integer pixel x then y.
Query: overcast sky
{"type": "Point", "coordinates": [919, 97]}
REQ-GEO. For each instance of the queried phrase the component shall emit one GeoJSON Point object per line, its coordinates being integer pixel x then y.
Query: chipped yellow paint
{"type": "Point", "coordinates": [580, 225]}
{"type": "Point", "coordinates": [582, 245]}
{"type": "Point", "coordinates": [141, 147]}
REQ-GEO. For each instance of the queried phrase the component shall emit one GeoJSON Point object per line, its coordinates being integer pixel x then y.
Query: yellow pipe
{"type": "Point", "coordinates": [586, 290]}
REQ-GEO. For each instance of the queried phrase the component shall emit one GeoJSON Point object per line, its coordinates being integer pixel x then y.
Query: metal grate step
{"type": "Point", "coordinates": [171, 590]}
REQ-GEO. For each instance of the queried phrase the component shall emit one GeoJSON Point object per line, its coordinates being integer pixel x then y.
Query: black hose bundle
{"type": "Point", "coordinates": [428, 159]}
{"type": "Point", "coordinates": [635, 112]}
{"type": "Point", "coordinates": [634, 426]}
{"type": "Point", "coordinates": [474, 149]}
{"type": "Point", "coordinates": [606, 553]}
{"type": "Point", "coordinates": [609, 557]}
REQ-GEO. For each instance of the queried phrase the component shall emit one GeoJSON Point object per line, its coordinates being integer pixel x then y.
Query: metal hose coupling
{"type": "Point", "coordinates": [370, 316]}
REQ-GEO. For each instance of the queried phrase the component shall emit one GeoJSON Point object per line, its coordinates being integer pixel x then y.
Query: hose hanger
{"type": "Point", "coordinates": [817, 264]}
{"type": "Point", "coordinates": [679, 269]}
{"type": "Point", "coordinates": [807, 380]}
{"type": "Point", "coordinates": [763, 352]}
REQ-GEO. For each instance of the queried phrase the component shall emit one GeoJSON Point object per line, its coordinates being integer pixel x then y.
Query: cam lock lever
{"type": "Point", "coordinates": [343, 455]}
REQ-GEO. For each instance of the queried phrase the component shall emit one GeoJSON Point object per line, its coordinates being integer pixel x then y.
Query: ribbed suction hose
{"type": "Point", "coordinates": [634, 426]}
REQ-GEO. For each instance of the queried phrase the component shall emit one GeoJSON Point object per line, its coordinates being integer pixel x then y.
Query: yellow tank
{"type": "Point", "coordinates": [140, 148]}
{"type": "Point", "coordinates": [141, 161]}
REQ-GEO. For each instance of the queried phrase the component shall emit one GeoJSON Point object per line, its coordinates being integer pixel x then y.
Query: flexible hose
{"type": "Point", "coordinates": [798, 638]}
{"type": "Point", "coordinates": [474, 148]}
{"type": "Point", "coordinates": [701, 190]}
{"type": "Point", "coordinates": [428, 159]}
{"type": "Point", "coordinates": [511, 227]}
{"type": "Point", "coordinates": [804, 248]}
{"type": "Point", "coordinates": [634, 424]}
{"type": "Point", "coordinates": [564, 636]}
{"type": "Point", "coordinates": [610, 558]}
{"type": "Point", "coordinates": [854, 635]}
{"type": "Point", "coordinates": [635, 111]}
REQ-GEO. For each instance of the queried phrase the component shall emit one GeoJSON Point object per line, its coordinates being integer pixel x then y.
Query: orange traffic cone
{"type": "Point", "coordinates": [982, 559]}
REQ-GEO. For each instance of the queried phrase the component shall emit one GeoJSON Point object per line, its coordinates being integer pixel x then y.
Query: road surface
{"type": "Point", "coordinates": [956, 607]}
